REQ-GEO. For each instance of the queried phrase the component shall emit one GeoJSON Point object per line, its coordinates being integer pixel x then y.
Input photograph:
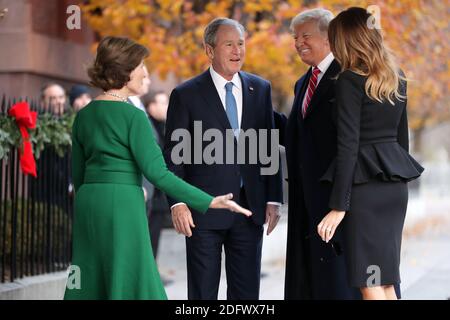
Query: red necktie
{"type": "Point", "coordinates": [311, 88]}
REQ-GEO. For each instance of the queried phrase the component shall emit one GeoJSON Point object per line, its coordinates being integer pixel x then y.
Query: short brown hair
{"type": "Point", "coordinates": [116, 58]}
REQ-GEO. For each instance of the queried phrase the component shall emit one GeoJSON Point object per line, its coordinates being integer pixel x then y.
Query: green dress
{"type": "Point", "coordinates": [112, 146]}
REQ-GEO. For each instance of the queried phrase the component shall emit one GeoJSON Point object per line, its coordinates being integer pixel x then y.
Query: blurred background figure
{"type": "Point", "coordinates": [136, 100]}
{"type": "Point", "coordinates": [53, 98]}
{"type": "Point", "coordinates": [156, 104]}
{"type": "Point", "coordinates": [79, 97]}
{"type": "Point", "coordinates": [148, 188]}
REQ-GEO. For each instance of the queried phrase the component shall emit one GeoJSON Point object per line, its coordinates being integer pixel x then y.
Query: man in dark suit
{"type": "Point", "coordinates": [224, 99]}
{"type": "Point", "coordinates": [314, 269]}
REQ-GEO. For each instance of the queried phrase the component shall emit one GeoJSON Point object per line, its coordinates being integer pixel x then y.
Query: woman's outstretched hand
{"type": "Point", "coordinates": [225, 202]}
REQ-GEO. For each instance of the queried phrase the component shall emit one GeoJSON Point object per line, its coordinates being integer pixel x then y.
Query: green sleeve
{"type": "Point", "coordinates": [78, 161]}
{"type": "Point", "coordinates": [150, 160]}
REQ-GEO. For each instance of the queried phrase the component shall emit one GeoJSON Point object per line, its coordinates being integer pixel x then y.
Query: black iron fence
{"type": "Point", "coordinates": [35, 213]}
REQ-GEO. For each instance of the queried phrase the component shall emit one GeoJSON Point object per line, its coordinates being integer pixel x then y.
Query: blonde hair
{"type": "Point", "coordinates": [361, 49]}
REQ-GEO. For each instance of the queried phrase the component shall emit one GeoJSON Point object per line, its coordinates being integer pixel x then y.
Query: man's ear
{"type": "Point", "coordinates": [209, 51]}
{"type": "Point", "coordinates": [327, 42]}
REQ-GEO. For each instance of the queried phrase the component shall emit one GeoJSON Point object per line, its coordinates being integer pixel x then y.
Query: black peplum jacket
{"type": "Point", "coordinates": [372, 140]}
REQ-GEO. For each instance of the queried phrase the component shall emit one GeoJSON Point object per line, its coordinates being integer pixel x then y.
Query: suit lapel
{"type": "Point", "coordinates": [248, 91]}
{"type": "Point", "coordinates": [298, 100]}
{"type": "Point", "coordinates": [209, 92]}
{"type": "Point", "coordinates": [322, 87]}
{"type": "Point", "coordinates": [295, 117]}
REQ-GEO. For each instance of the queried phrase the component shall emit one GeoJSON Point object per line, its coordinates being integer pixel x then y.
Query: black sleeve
{"type": "Point", "coordinates": [177, 118]}
{"type": "Point", "coordinates": [402, 133]}
{"type": "Point", "coordinates": [349, 95]}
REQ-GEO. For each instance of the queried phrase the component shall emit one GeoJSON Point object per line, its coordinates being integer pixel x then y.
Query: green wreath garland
{"type": "Point", "coordinates": [50, 131]}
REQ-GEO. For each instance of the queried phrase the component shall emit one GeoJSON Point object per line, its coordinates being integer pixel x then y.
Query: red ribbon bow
{"type": "Point", "coordinates": [25, 119]}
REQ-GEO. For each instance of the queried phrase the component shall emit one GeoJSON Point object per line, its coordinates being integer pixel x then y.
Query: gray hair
{"type": "Point", "coordinates": [48, 85]}
{"type": "Point", "coordinates": [211, 29]}
{"type": "Point", "coordinates": [322, 16]}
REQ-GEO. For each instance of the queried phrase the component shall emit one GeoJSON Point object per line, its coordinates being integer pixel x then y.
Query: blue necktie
{"type": "Point", "coordinates": [231, 108]}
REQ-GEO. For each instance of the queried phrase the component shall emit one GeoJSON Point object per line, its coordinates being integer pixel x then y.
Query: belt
{"type": "Point", "coordinates": [113, 177]}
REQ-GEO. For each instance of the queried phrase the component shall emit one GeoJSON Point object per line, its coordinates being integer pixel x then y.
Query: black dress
{"type": "Point", "coordinates": [369, 176]}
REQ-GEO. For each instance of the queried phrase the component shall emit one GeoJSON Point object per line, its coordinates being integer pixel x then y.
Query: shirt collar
{"type": "Point", "coordinates": [325, 63]}
{"type": "Point", "coordinates": [220, 81]}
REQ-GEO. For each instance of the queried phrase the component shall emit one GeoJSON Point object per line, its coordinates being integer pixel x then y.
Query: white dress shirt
{"type": "Point", "coordinates": [137, 103]}
{"type": "Point", "coordinates": [323, 67]}
{"type": "Point", "coordinates": [220, 82]}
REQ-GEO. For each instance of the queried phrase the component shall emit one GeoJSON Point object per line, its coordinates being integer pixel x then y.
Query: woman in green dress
{"type": "Point", "coordinates": [112, 146]}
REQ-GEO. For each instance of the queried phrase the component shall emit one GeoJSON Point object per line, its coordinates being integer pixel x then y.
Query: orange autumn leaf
{"type": "Point", "coordinates": [416, 30]}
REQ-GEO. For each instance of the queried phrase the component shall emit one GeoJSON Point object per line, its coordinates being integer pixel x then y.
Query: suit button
{"type": "Point", "coordinates": [321, 259]}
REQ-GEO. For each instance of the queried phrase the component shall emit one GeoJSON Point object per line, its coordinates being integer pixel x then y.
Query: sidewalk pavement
{"type": "Point", "coordinates": [425, 265]}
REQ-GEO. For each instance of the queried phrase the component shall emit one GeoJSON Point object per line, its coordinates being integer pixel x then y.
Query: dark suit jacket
{"type": "Point", "coordinates": [372, 140]}
{"type": "Point", "coordinates": [197, 100]}
{"type": "Point", "coordinates": [313, 269]}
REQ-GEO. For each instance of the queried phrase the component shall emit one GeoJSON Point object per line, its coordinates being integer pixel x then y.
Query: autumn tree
{"type": "Point", "coordinates": [416, 30]}
{"type": "Point", "coordinates": [173, 30]}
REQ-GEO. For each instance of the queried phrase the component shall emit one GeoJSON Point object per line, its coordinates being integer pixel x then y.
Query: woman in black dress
{"type": "Point", "coordinates": [372, 166]}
